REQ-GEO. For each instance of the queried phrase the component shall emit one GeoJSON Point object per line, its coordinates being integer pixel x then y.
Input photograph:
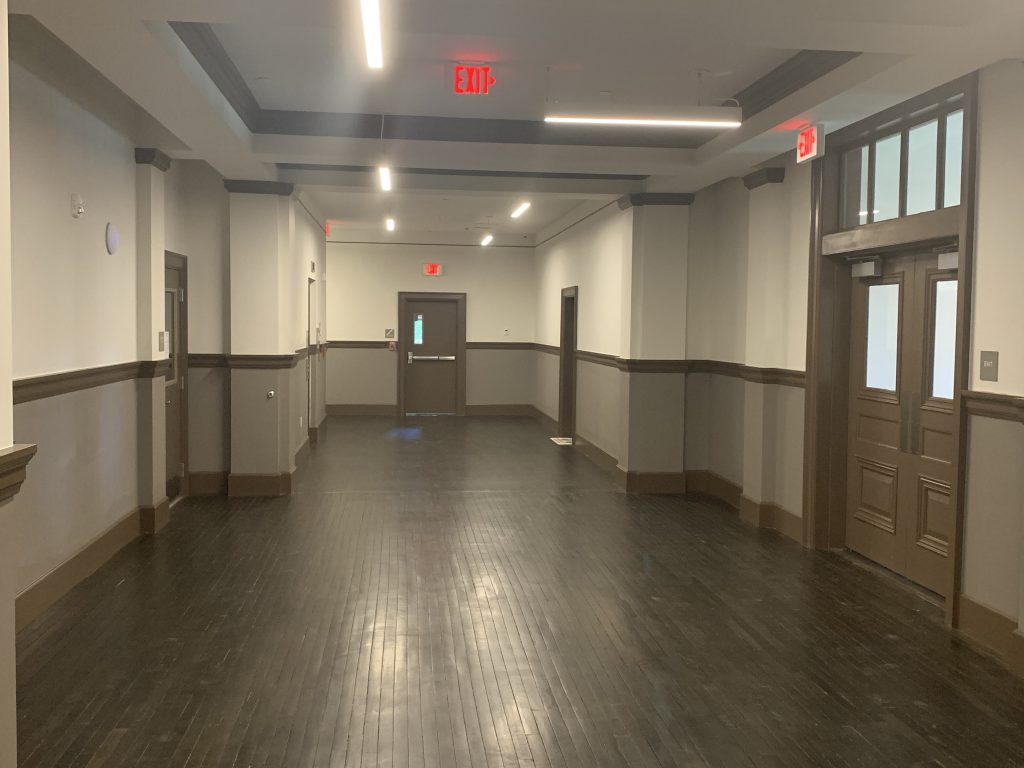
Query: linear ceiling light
{"type": "Point", "coordinates": [371, 34]}
{"type": "Point", "coordinates": [488, 239]}
{"type": "Point", "coordinates": [642, 122]}
{"type": "Point", "coordinates": [520, 210]}
{"type": "Point", "coordinates": [385, 178]}
{"type": "Point", "coordinates": [389, 224]}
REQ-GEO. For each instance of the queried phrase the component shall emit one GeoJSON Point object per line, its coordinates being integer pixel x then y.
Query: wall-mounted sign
{"type": "Point", "coordinates": [810, 143]}
{"type": "Point", "coordinates": [471, 80]}
{"type": "Point", "coordinates": [433, 270]}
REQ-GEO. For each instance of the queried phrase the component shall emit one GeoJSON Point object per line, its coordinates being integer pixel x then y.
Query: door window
{"type": "Point", "coordinates": [944, 339]}
{"type": "Point", "coordinates": [883, 336]}
{"type": "Point", "coordinates": [417, 330]}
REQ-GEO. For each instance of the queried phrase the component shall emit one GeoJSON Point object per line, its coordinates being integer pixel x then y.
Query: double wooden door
{"type": "Point", "coordinates": [901, 421]}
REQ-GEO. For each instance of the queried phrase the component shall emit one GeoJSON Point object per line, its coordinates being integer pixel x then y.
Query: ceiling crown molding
{"type": "Point", "coordinates": [655, 198]}
{"type": "Point", "coordinates": [154, 157]}
{"type": "Point", "coordinates": [241, 186]}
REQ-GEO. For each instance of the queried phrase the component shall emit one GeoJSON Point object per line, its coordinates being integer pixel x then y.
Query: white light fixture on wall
{"type": "Point", "coordinates": [385, 178]}
{"type": "Point", "coordinates": [520, 210]}
{"type": "Point", "coordinates": [488, 239]}
{"type": "Point", "coordinates": [389, 224]}
{"type": "Point", "coordinates": [372, 34]}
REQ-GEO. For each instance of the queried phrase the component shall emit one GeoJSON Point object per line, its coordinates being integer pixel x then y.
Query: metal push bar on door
{"type": "Point", "coordinates": [430, 358]}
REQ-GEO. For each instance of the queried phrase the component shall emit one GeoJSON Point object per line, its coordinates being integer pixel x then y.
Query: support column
{"type": "Point", "coordinates": [654, 367]}
{"type": "Point", "coordinates": [154, 507]}
{"type": "Point", "coordinates": [263, 351]}
{"type": "Point", "coordinates": [13, 458]}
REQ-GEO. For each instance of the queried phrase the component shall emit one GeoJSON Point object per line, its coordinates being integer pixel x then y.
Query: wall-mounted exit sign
{"type": "Point", "coordinates": [472, 80]}
{"type": "Point", "coordinates": [810, 143]}
{"type": "Point", "coordinates": [433, 270]}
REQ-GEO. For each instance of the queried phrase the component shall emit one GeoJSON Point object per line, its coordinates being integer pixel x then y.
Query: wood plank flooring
{"type": "Point", "coordinates": [464, 593]}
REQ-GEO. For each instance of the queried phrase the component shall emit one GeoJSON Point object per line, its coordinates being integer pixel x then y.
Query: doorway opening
{"type": "Point", "coordinates": [432, 354]}
{"type": "Point", "coordinates": [176, 385]}
{"type": "Point", "coordinates": [312, 358]}
{"type": "Point", "coordinates": [567, 364]}
{"type": "Point", "coordinates": [902, 426]}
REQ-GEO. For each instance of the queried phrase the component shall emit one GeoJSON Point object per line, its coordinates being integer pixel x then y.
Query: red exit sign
{"type": "Point", "coordinates": [433, 270]}
{"type": "Point", "coordinates": [473, 80]}
{"type": "Point", "coordinates": [810, 143]}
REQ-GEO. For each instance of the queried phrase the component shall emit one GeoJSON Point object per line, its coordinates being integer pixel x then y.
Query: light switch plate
{"type": "Point", "coordinates": [990, 366]}
{"type": "Point", "coordinates": [389, 333]}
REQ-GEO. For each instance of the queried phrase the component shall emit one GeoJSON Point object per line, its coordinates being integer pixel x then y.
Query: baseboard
{"type": "Point", "coordinates": [772, 516]}
{"type": "Point", "coordinates": [208, 483]}
{"type": "Point", "coordinates": [708, 483]}
{"type": "Point", "coordinates": [34, 601]}
{"type": "Point", "coordinates": [501, 410]}
{"type": "Point", "coordinates": [154, 519]}
{"type": "Point", "coordinates": [989, 628]}
{"type": "Point", "coordinates": [656, 482]}
{"type": "Point", "coordinates": [549, 424]}
{"type": "Point", "coordinates": [604, 460]}
{"type": "Point", "coordinates": [302, 450]}
{"type": "Point", "coordinates": [362, 410]}
{"type": "Point", "coordinates": [245, 486]}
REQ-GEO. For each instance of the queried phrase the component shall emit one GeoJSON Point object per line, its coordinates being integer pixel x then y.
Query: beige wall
{"type": "Point", "coordinates": [362, 294]}
{"type": "Point", "coordinates": [593, 255]}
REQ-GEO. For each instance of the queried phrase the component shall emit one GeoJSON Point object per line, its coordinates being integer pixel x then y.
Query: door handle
{"type": "Point", "coordinates": [427, 358]}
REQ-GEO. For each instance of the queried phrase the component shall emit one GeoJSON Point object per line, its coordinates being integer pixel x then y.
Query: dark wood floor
{"type": "Point", "coordinates": [465, 593]}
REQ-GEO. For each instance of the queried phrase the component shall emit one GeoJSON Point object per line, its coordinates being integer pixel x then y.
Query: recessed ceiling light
{"type": "Point", "coordinates": [385, 178]}
{"type": "Point", "coordinates": [643, 122]}
{"type": "Point", "coordinates": [520, 210]}
{"type": "Point", "coordinates": [371, 34]}
{"type": "Point", "coordinates": [390, 224]}
{"type": "Point", "coordinates": [488, 239]}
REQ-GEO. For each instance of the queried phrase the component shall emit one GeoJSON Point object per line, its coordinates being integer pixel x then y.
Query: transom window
{"type": "Point", "coordinates": [910, 168]}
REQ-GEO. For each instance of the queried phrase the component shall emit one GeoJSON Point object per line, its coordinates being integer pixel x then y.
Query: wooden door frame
{"type": "Point", "coordinates": [829, 279]}
{"type": "Point", "coordinates": [180, 263]}
{"type": "Point", "coordinates": [567, 362]}
{"type": "Point", "coordinates": [460, 342]}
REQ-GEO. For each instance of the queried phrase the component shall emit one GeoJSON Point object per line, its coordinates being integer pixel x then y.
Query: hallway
{"type": "Point", "coordinates": [465, 593]}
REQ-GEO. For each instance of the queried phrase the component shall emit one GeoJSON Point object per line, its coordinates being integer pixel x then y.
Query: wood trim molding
{"type": "Point", "coordinates": [266, 362]}
{"type": "Point", "coordinates": [707, 483]}
{"type": "Point", "coordinates": [501, 345]}
{"type": "Point", "coordinates": [14, 469]}
{"type": "Point", "coordinates": [602, 459]}
{"type": "Point", "coordinates": [994, 631]}
{"type": "Point", "coordinates": [35, 600]}
{"type": "Point", "coordinates": [502, 410]}
{"type": "Point", "coordinates": [641, 199]}
{"type": "Point", "coordinates": [654, 366]}
{"type": "Point", "coordinates": [207, 360]}
{"type": "Point", "coordinates": [154, 519]}
{"type": "Point", "coordinates": [598, 358]}
{"type": "Point", "coordinates": [667, 483]}
{"type": "Point", "coordinates": [248, 486]}
{"type": "Point", "coordinates": [208, 483]}
{"type": "Point", "coordinates": [921, 230]}
{"type": "Point", "coordinates": [154, 157]}
{"type": "Point", "coordinates": [355, 409]}
{"type": "Point", "coordinates": [51, 385]}
{"type": "Point", "coordinates": [772, 517]}
{"type": "Point", "coordinates": [779, 376]}
{"type": "Point", "coordinates": [764, 176]}
{"type": "Point", "coordinates": [993, 406]}
{"type": "Point", "coordinates": [359, 344]}
{"type": "Point", "coordinates": [246, 187]}
{"type": "Point", "coordinates": [548, 349]}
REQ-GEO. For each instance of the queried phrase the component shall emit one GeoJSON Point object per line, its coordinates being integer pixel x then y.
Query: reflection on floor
{"type": "Point", "coordinates": [466, 593]}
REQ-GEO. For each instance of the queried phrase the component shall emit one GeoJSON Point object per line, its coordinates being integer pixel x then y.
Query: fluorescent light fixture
{"type": "Point", "coordinates": [520, 210]}
{"type": "Point", "coordinates": [390, 224]}
{"type": "Point", "coordinates": [488, 239]}
{"type": "Point", "coordinates": [385, 178]}
{"type": "Point", "coordinates": [642, 122]}
{"type": "Point", "coordinates": [371, 34]}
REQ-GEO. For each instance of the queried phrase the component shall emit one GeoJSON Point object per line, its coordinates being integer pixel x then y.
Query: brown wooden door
{"type": "Point", "coordinates": [174, 296]}
{"type": "Point", "coordinates": [567, 365]}
{"type": "Point", "coordinates": [903, 328]}
{"type": "Point", "coordinates": [430, 367]}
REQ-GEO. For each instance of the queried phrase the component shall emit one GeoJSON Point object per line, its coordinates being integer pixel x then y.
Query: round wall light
{"type": "Point", "coordinates": [113, 238]}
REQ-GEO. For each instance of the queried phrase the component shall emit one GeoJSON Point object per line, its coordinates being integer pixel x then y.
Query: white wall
{"type": "Point", "coordinates": [594, 255]}
{"type": "Point", "coordinates": [717, 289]}
{"type": "Point", "coordinates": [998, 313]}
{"type": "Point", "coordinates": [779, 243]}
{"type": "Point", "coordinates": [196, 221]}
{"type": "Point", "coordinates": [658, 282]}
{"type": "Point", "coordinates": [73, 303]}
{"type": "Point", "coordinates": [362, 292]}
